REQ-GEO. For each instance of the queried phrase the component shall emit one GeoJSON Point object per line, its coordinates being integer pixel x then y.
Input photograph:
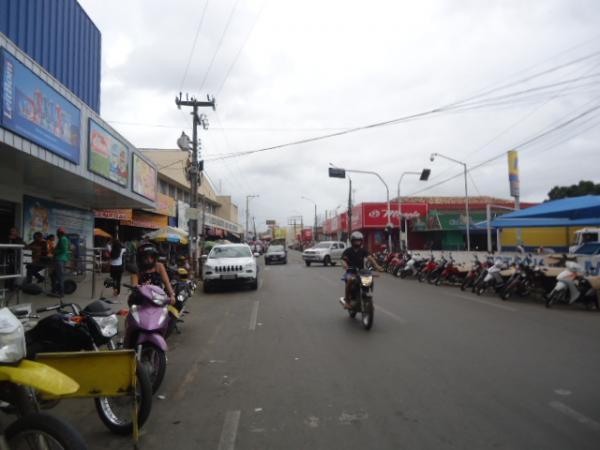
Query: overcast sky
{"type": "Point", "coordinates": [286, 70]}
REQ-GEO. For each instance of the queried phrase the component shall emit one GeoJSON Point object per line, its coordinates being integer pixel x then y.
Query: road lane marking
{"type": "Point", "coordinates": [253, 316]}
{"type": "Point", "coordinates": [391, 314]}
{"type": "Point", "coordinates": [229, 433]}
{"type": "Point", "coordinates": [575, 415]}
{"type": "Point", "coordinates": [485, 302]}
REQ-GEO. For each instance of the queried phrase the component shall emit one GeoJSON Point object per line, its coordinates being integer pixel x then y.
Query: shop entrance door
{"type": "Point", "coordinates": [7, 219]}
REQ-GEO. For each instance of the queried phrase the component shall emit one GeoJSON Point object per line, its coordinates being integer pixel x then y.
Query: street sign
{"type": "Point", "coordinates": [271, 222]}
{"type": "Point", "coordinates": [335, 172]}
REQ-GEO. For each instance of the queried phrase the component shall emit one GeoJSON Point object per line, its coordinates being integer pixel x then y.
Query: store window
{"type": "Point", "coordinates": [172, 191]}
{"type": "Point", "coordinates": [186, 197]}
{"type": "Point", "coordinates": [164, 189]}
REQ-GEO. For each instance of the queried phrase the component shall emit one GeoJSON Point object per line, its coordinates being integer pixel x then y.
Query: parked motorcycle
{"type": "Point", "coordinates": [522, 281]}
{"type": "Point", "coordinates": [493, 279]}
{"type": "Point", "coordinates": [429, 267]}
{"type": "Point", "coordinates": [70, 329]}
{"type": "Point", "coordinates": [437, 271]}
{"type": "Point", "coordinates": [19, 380]}
{"type": "Point", "coordinates": [561, 293]}
{"type": "Point", "coordinates": [472, 274]}
{"type": "Point", "coordinates": [413, 267]}
{"type": "Point", "coordinates": [451, 273]}
{"type": "Point", "coordinates": [362, 297]}
{"type": "Point", "coordinates": [483, 272]}
{"type": "Point", "coordinates": [146, 327]}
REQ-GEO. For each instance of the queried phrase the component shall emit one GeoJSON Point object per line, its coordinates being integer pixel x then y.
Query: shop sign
{"type": "Point", "coordinates": [46, 217]}
{"type": "Point", "coordinates": [307, 234]}
{"type": "Point", "coordinates": [144, 178]}
{"type": "Point", "coordinates": [449, 222]}
{"type": "Point", "coordinates": [375, 215]}
{"type": "Point", "coordinates": [114, 214]}
{"type": "Point", "coordinates": [280, 233]}
{"type": "Point", "coordinates": [34, 110]}
{"type": "Point", "coordinates": [142, 219]}
{"type": "Point", "coordinates": [513, 172]}
{"type": "Point", "coordinates": [107, 156]}
{"type": "Point", "coordinates": [165, 205]}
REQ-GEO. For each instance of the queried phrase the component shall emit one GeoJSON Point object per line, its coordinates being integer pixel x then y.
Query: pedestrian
{"type": "Point", "coordinates": [39, 257]}
{"type": "Point", "coordinates": [14, 238]}
{"type": "Point", "coordinates": [51, 244]}
{"type": "Point", "coordinates": [62, 255]}
{"type": "Point", "coordinates": [116, 264]}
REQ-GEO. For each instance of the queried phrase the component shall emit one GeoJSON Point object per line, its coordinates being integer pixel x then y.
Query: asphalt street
{"type": "Point", "coordinates": [284, 367]}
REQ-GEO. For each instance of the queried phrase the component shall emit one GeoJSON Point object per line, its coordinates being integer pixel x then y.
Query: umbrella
{"type": "Point", "coordinates": [169, 234]}
{"type": "Point", "coordinates": [99, 232]}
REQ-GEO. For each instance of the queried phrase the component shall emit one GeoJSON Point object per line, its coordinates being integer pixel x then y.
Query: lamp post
{"type": "Point", "coordinates": [423, 176]}
{"type": "Point", "coordinates": [315, 228]}
{"type": "Point", "coordinates": [248, 197]}
{"type": "Point", "coordinates": [338, 172]}
{"type": "Point", "coordinates": [432, 157]}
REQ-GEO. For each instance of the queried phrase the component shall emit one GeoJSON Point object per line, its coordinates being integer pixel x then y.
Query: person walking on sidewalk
{"type": "Point", "coordinates": [117, 251]}
{"type": "Point", "coordinates": [62, 255]}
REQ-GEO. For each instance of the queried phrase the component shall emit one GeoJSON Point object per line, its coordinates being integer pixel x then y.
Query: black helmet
{"type": "Point", "coordinates": [142, 252]}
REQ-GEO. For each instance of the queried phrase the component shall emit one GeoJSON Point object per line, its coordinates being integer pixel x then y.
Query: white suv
{"type": "Point", "coordinates": [328, 252]}
{"type": "Point", "coordinates": [230, 264]}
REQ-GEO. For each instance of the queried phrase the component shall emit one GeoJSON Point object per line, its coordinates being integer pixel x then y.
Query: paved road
{"type": "Point", "coordinates": [285, 368]}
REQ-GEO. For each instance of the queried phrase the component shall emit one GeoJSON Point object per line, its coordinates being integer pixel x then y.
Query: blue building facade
{"type": "Point", "coordinates": [60, 37]}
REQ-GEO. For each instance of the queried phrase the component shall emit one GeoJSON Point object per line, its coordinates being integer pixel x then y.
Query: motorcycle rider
{"type": "Point", "coordinates": [354, 258]}
{"type": "Point", "coordinates": [151, 271]}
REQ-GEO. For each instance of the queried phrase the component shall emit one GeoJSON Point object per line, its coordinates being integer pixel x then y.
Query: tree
{"type": "Point", "coordinates": [576, 190]}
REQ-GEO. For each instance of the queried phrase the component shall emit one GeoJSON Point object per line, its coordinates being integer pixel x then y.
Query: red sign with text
{"type": "Point", "coordinates": [375, 215]}
{"type": "Point", "coordinates": [307, 234]}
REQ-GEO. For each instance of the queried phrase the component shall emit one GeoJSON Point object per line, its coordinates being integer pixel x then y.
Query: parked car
{"type": "Point", "coordinates": [276, 254]}
{"type": "Point", "coordinates": [328, 252]}
{"type": "Point", "coordinates": [229, 264]}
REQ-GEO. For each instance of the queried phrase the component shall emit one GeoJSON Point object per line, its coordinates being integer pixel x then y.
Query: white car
{"type": "Point", "coordinates": [228, 264]}
{"type": "Point", "coordinates": [328, 252]}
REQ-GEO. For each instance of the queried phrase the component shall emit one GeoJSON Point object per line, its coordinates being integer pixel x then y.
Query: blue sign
{"type": "Point", "coordinates": [34, 110]}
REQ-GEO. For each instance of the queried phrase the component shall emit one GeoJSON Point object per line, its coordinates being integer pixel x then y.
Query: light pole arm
{"type": "Point", "coordinates": [450, 159]}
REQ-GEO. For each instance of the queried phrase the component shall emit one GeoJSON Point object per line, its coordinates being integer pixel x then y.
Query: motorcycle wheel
{"type": "Point", "coordinates": [465, 284]}
{"type": "Point", "coordinates": [172, 326]}
{"type": "Point", "coordinates": [27, 432]}
{"type": "Point", "coordinates": [506, 293]}
{"type": "Point", "coordinates": [422, 277]}
{"type": "Point", "coordinates": [367, 318]}
{"type": "Point", "coordinates": [402, 274]}
{"type": "Point", "coordinates": [438, 281]}
{"type": "Point", "coordinates": [155, 360]}
{"type": "Point", "coordinates": [69, 286]}
{"type": "Point", "coordinates": [552, 298]}
{"type": "Point", "coordinates": [481, 289]}
{"type": "Point", "coordinates": [115, 412]}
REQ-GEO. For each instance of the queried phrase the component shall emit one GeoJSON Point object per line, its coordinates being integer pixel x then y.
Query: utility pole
{"type": "Point", "coordinates": [195, 168]}
{"type": "Point", "coordinates": [248, 197]}
{"type": "Point", "coordinates": [349, 208]}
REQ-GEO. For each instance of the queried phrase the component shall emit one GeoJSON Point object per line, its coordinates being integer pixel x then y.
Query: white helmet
{"type": "Point", "coordinates": [356, 236]}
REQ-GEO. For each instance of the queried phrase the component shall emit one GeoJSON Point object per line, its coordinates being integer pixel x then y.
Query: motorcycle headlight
{"type": "Point", "coordinates": [108, 325]}
{"type": "Point", "coordinates": [159, 299]}
{"type": "Point", "coordinates": [180, 298]}
{"type": "Point", "coordinates": [12, 338]}
{"type": "Point", "coordinates": [366, 280]}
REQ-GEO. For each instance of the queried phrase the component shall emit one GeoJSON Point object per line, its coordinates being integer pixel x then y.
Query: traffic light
{"type": "Point", "coordinates": [425, 174]}
{"type": "Point", "coordinates": [336, 172]}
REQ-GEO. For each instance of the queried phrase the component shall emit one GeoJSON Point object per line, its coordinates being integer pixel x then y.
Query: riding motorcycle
{"type": "Point", "coordinates": [561, 293]}
{"type": "Point", "coordinates": [71, 328]}
{"type": "Point", "coordinates": [20, 379]}
{"type": "Point", "coordinates": [493, 278]}
{"type": "Point", "coordinates": [362, 297]}
{"type": "Point", "coordinates": [146, 326]}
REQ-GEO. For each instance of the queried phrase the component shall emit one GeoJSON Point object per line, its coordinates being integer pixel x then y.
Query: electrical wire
{"type": "Point", "coordinates": [227, 24]}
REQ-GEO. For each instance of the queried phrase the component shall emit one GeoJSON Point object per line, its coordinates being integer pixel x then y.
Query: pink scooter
{"type": "Point", "coordinates": [146, 325]}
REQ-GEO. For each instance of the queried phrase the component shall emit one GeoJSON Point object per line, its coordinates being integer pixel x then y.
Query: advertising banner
{"type": "Point", "coordinates": [107, 156]}
{"type": "Point", "coordinates": [280, 233]}
{"type": "Point", "coordinates": [34, 110]}
{"type": "Point", "coordinates": [165, 205]}
{"type": "Point", "coordinates": [144, 178]}
{"type": "Point", "coordinates": [114, 214]}
{"type": "Point", "coordinates": [46, 216]}
{"type": "Point", "coordinates": [513, 173]}
{"type": "Point", "coordinates": [182, 215]}
{"type": "Point", "coordinates": [307, 234]}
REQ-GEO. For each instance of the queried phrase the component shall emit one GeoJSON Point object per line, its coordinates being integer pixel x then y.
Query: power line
{"type": "Point", "coordinates": [220, 43]}
{"type": "Point", "coordinates": [189, 61]}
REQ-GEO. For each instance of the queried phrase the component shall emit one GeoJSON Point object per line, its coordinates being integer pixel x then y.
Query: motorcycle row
{"type": "Point", "coordinates": [495, 276]}
{"type": "Point", "coordinates": [66, 327]}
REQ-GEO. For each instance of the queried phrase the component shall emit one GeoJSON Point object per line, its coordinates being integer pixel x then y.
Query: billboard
{"type": "Point", "coordinates": [114, 214]}
{"type": "Point", "coordinates": [375, 215]}
{"type": "Point", "coordinates": [34, 110]}
{"type": "Point", "coordinates": [144, 178]}
{"type": "Point", "coordinates": [46, 216]}
{"type": "Point", "coordinates": [513, 173]}
{"type": "Point", "coordinates": [107, 156]}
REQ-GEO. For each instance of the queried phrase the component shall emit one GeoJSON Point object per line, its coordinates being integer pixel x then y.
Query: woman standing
{"type": "Point", "coordinates": [116, 264]}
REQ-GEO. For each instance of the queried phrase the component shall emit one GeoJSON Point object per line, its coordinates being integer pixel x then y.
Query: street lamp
{"type": "Point", "coordinates": [315, 203]}
{"type": "Point", "coordinates": [423, 176]}
{"type": "Point", "coordinates": [432, 157]}
{"type": "Point", "coordinates": [248, 197]}
{"type": "Point", "coordinates": [338, 172]}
